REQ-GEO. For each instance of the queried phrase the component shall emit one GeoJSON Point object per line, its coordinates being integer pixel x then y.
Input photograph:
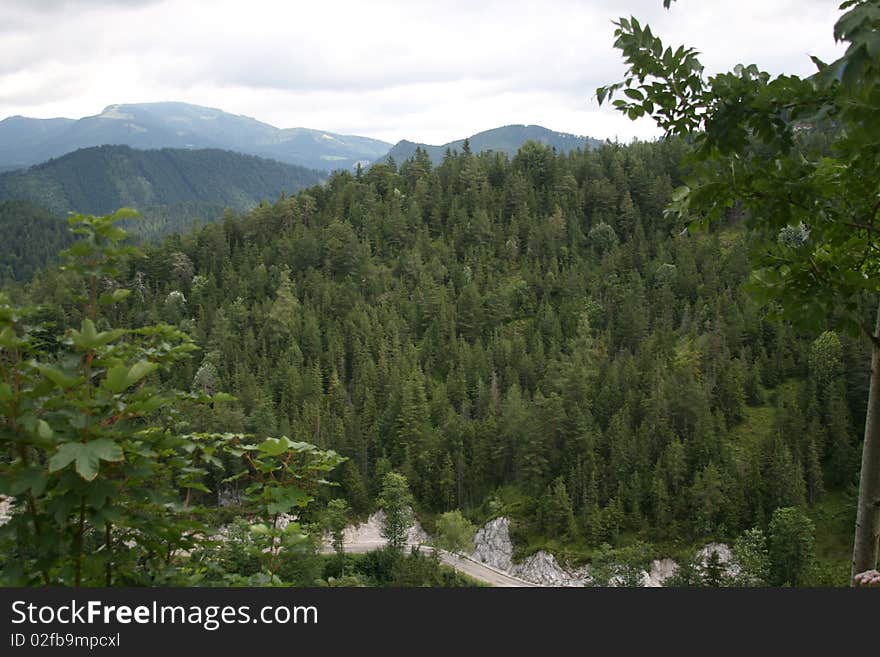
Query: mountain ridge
{"type": "Point", "coordinates": [26, 141]}
{"type": "Point", "coordinates": [506, 139]}
{"type": "Point", "coordinates": [197, 183]}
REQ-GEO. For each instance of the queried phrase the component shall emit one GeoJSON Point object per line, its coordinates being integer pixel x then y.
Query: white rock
{"type": "Point", "coordinates": [661, 570]}
{"type": "Point", "coordinates": [542, 568]}
{"type": "Point", "coordinates": [492, 544]}
{"type": "Point", "coordinates": [492, 547]}
{"type": "Point", "coordinates": [5, 509]}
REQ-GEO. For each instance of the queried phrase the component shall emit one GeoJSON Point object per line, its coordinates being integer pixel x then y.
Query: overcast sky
{"type": "Point", "coordinates": [429, 71]}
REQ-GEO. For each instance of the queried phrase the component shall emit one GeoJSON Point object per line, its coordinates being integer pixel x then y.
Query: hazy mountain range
{"type": "Point", "coordinates": [181, 165]}
{"type": "Point", "coordinates": [26, 141]}
{"type": "Point", "coordinates": [506, 139]}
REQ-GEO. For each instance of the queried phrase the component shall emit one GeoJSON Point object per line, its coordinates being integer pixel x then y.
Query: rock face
{"type": "Point", "coordinates": [725, 556]}
{"type": "Point", "coordinates": [542, 568]}
{"type": "Point", "coordinates": [5, 509]}
{"type": "Point", "coordinates": [492, 544]}
{"type": "Point", "coordinates": [369, 534]}
{"type": "Point", "coordinates": [492, 547]}
{"type": "Point", "coordinates": [661, 570]}
{"type": "Point", "coordinates": [724, 553]}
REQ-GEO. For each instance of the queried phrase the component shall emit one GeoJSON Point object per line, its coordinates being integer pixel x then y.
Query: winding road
{"type": "Point", "coordinates": [464, 564]}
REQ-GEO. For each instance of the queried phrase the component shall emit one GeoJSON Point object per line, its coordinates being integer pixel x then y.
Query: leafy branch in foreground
{"type": "Point", "coordinates": [93, 461]}
{"type": "Point", "coordinates": [799, 156]}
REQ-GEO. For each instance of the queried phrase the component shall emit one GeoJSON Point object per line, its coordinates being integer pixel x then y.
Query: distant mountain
{"type": "Point", "coordinates": [20, 137]}
{"type": "Point", "coordinates": [171, 187]}
{"type": "Point", "coordinates": [25, 141]}
{"type": "Point", "coordinates": [507, 139]}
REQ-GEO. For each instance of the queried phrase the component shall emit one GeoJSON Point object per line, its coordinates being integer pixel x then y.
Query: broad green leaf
{"type": "Point", "coordinates": [57, 377]}
{"type": "Point", "coordinates": [64, 456]}
{"type": "Point", "coordinates": [285, 499]}
{"type": "Point", "coordinates": [274, 446]}
{"type": "Point", "coordinates": [87, 456]}
{"type": "Point", "coordinates": [140, 370]}
{"type": "Point", "coordinates": [88, 337]}
{"type": "Point", "coordinates": [117, 379]}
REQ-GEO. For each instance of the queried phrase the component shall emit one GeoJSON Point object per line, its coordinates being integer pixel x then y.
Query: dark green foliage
{"type": "Point", "coordinates": [454, 324]}
{"type": "Point", "coordinates": [100, 475]}
{"type": "Point", "coordinates": [472, 337]}
{"type": "Point", "coordinates": [790, 547]}
{"type": "Point", "coordinates": [797, 157]}
{"type": "Point", "coordinates": [31, 239]}
{"type": "Point", "coordinates": [173, 189]}
{"type": "Point", "coordinates": [390, 568]}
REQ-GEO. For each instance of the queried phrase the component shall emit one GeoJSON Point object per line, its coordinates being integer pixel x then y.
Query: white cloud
{"type": "Point", "coordinates": [427, 71]}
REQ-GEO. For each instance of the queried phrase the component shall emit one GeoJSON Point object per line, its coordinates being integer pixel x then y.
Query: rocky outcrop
{"type": "Point", "coordinates": [5, 509]}
{"type": "Point", "coordinates": [492, 547]}
{"type": "Point", "coordinates": [542, 568]}
{"type": "Point", "coordinates": [725, 557]}
{"type": "Point", "coordinates": [369, 533]}
{"type": "Point", "coordinates": [661, 570]}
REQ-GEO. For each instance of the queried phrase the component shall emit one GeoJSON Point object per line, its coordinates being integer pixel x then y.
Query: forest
{"type": "Point", "coordinates": [528, 336]}
{"type": "Point", "coordinates": [626, 354]}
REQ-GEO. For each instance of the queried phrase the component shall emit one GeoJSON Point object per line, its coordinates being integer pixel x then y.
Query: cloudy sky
{"type": "Point", "coordinates": [425, 70]}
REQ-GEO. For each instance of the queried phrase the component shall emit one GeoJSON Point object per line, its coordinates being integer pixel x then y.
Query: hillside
{"type": "Point", "coordinates": [32, 237]}
{"type": "Point", "coordinates": [26, 141]}
{"type": "Point", "coordinates": [506, 139]}
{"type": "Point", "coordinates": [100, 179]}
{"type": "Point", "coordinates": [530, 337]}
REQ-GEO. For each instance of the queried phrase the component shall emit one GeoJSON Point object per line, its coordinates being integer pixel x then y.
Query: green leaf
{"type": "Point", "coordinates": [286, 499]}
{"type": "Point", "coordinates": [117, 377]}
{"type": "Point", "coordinates": [57, 377]}
{"type": "Point", "coordinates": [87, 456]}
{"type": "Point", "coordinates": [8, 338]}
{"type": "Point", "coordinates": [140, 370]}
{"type": "Point", "coordinates": [5, 392]}
{"type": "Point", "coordinates": [88, 338]}
{"type": "Point", "coordinates": [64, 456]}
{"type": "Point", "coordinates": [274, 446]}
{"type": "Point", "coordinates": [44, 431]}
{"type": "Point", "coordinates": [32, 478]}
{"type": "Point", "coordinates": [120, 377]}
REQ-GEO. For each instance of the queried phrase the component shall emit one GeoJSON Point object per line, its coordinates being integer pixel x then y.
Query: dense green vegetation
{"type": "Point", "coordinates": [537, 336]}
{"type": "Point", "coordinates": [174, 191]}
{"type": "Point", "coordinates": [506, 139]}
{"type": "Point", "coordinates": [32, 237]}
{"type": "Point", "coordinates": [798, 156]}
{"type": "Point", "coordinates": [532, 329]}
{"type": "Point", "coordinates": [99, 180]}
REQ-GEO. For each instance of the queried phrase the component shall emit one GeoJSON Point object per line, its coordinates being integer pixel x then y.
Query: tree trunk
{"type": "Point", "coordinates": [868, 514]}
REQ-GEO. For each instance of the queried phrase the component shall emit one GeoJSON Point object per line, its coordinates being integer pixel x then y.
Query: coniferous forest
{"type": "Point", "coordinates": [526, 336]}
{"type": "Point", "coordinates": [644, 364]}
